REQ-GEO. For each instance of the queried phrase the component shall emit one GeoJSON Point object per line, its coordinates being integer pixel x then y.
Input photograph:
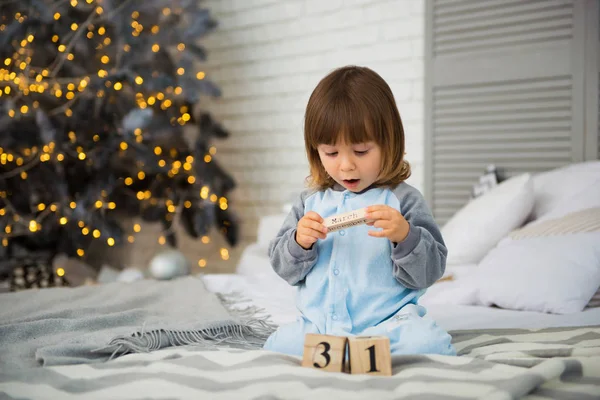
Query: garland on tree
{"type": "Point", "coordinates": [99, 120]}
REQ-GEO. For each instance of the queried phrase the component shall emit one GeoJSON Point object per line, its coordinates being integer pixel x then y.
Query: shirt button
{"type": "Point", "coordinates": [342, 233]}
{"type": "Point", "coordinates": [336, 271]}
{"type": "Point", "coordinates": [334, 317]}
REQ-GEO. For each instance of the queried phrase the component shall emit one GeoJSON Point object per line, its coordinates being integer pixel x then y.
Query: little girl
{"type": "Point", "coordinates": [359, 281]}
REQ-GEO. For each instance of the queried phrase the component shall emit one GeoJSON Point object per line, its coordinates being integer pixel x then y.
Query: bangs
{"type": "Point", "coordinates": [340, 120]}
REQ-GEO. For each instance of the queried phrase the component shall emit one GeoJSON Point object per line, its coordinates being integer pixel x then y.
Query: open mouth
{"type": "Point", "coordinates": [351, 182]}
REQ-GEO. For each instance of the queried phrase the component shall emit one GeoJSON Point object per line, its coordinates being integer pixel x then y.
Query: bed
{"type": "Point", "coordinates": [514, 340]}
{"type": "Point", "coordinates": [502, 354]}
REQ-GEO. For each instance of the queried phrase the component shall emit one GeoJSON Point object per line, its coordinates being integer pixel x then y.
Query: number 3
{"type": "Point", "coordinates": [325, 354]}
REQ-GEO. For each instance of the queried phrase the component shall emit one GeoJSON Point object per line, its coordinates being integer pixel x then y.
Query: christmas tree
{"type": "Point", "coordinates": [99, 123]}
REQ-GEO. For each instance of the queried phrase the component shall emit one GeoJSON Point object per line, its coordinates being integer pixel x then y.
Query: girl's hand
{"type": "Point", "coordinates": [310, 228]}
{"type": "Point", "coordinates": [394, 226]}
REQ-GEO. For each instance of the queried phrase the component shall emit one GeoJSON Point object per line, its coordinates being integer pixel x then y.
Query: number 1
{"type": "Point", "coordinates": [372, 359]}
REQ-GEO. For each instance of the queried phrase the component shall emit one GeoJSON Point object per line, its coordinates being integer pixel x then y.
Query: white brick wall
{"type": "Point", "coordinates": [268, 55]}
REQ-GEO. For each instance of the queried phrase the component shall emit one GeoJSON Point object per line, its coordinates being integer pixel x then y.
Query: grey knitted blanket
{"type": "Point", "coordinates": [92, 324]}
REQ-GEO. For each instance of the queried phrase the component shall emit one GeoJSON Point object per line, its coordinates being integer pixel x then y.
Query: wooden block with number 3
{"type": "Point", "coordinates": [370, 355]}
{"type": "Point", "coordinates": [324, 352]}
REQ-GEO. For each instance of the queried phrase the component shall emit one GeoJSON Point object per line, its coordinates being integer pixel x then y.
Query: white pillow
{"type": "Point", "coordinates": [558, 186]}
{"type": "Point", "coordinates": [268, 227]}
{"type": "Point", "coordinates": [254, 260]}
{"type": "Point", "coordinates": [476, 228]}
{"type": "Point", "coordinates": [552, 274]}
{"type": "Point", "coordinates": [578, 199]}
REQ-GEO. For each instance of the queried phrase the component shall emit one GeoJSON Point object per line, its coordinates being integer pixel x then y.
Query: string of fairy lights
{"type": "Point", "coordinates": [21, 81]}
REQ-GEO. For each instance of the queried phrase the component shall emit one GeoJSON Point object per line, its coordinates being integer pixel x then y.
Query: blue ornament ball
{"type": "Point", "coordinates": [168, 265]}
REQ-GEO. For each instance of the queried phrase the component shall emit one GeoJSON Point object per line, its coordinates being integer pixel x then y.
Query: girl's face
{"type": "Point", "coordinates": [354, 166]}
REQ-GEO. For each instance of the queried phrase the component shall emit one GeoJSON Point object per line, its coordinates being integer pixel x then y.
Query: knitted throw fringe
{"type": "Point", "coordinates": [250, 332]}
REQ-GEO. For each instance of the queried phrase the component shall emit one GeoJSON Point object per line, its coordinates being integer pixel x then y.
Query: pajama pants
{"type": "Point", "coordinates": [408, 331]}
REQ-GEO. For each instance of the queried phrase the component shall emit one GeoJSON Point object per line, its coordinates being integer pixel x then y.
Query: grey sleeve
{"type": "Point", "coordinates": [288, 259]}
{"type": "Point", "coordinates": [420, 259]}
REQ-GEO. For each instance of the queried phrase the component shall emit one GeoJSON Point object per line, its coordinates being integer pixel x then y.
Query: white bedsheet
{"type": "Point", "coordinates": [277, 298]}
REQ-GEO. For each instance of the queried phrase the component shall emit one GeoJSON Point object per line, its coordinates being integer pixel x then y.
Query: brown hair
{"type": "Point", "coordinates": [355, 105]}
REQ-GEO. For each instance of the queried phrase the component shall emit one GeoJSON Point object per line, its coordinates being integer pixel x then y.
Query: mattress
{"type": "Point", "coordinates": [277, 298]}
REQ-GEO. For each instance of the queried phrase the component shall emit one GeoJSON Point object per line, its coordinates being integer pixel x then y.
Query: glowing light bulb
{"type": "Point", "coordinates": [224, 254]}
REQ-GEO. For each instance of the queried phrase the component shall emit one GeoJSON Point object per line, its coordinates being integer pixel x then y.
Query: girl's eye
{"type": "Point", "coordinates": [331, 154]}
{"type": "Point", "coordinates": [361, 153]}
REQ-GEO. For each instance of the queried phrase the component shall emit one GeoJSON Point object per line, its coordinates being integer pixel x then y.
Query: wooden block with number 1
{"type": "Point", "coordinates": [324, 352]}
{"type": "Point", "coordinates": [370, 355]}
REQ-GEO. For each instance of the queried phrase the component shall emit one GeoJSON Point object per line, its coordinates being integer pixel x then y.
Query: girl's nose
{"type": "Point", "coordinates": [347, 164]}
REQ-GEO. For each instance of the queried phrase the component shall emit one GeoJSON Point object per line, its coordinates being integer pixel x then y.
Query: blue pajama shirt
{"type": "Point", "coordinates": [353, 284]}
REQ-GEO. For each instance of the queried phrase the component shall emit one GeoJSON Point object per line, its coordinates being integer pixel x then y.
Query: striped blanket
{"type": "Point", "coordinates": [556, 363]}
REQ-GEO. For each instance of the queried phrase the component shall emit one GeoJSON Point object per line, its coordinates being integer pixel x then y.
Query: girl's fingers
{"type": "Point", "coordinates": [379, 214]}
{"type": "Point", "coordinates": [382, 223]}
{"type": "Point", "coordinates": [379, 234]}
{"type": "Point", "coordinates": [308, 231]}
{"type": "Point", "coordinates": [313, 216]}
{"type": "Point", "coordinates": [317, 226]}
